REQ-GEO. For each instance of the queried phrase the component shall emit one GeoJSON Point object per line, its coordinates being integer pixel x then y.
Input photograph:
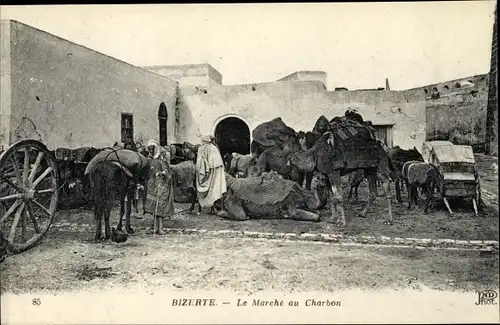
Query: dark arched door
{"type": "Point", "coordinates": [232, 135]}
{"type": "Point", "coordinates": [162, 120]}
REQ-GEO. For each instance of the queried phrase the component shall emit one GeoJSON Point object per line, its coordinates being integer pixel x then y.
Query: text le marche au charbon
{"type": "Point", "coordinates": [255, 303]}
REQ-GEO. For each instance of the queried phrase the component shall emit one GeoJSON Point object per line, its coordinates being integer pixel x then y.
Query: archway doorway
{"type": "Point", "coordinates": [162, 120]}
{"type": "Point", "coordinates": [232, 135]}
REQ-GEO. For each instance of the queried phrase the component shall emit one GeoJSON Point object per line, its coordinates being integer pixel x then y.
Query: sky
{"type": "Point", "coordinates": [357, 44]}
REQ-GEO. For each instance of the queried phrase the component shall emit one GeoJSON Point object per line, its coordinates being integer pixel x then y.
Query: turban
{"type": "Point", "coordinates": [206, 138]}
{"type": "Point", "coordinates": [154, 143]}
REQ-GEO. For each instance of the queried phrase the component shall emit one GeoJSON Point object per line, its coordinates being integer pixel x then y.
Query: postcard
{"type": "Point", "coordinates": [249, 163]}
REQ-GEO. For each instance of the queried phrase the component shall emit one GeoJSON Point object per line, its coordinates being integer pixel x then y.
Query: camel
{"type": "Point", "coordinates": [272, 197]}
{"type": "Point", "coordinates": [276, 159]}
{"type": "Point", "coordinates": [307, 141]}
{"type": "Point", "coordinates": [334, 156]}
{"type": "Point", "coordinates": [239, 164]}
{"type": "Point", "coordinates": [256, 148]}
{"type": "Point", "coordinates": [269, 140]}
{"type": "Point", "coordinates": [296, 155]}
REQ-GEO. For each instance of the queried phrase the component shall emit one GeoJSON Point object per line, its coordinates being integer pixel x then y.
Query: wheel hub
{"type": "Point", "coordinates": [29, 194]}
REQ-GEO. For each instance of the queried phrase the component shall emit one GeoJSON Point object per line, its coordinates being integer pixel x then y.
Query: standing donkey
{"type": "Point", "coordinates": [108, 182]}
{"type": "Point", "coordinates": [133, 166]}
{"type": "Point", "coordinates": [421, 175]}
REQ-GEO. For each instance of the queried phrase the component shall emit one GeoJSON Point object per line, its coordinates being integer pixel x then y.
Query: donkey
{"type": "Point", "coordinates": [135, 166]}
{"type": "Point", "coordinates": [140, 191]}
{"type": "Point", "coordinates": [421, 175]}
{"type": "Point", "coordinates": [108, 182]}
{"type": "Point", "coordinates": [398, 157]}
{"type": "Point", "coordinates": [184, 179]}
{"type": "Point", "coordinates": [355, 179]}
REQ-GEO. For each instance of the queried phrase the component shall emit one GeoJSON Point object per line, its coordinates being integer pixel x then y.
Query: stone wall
{"type": "Point", "coordinates": [299, 104]}
{"type": "Point", "coordinates": [67, 95]}
{"type": "Point", "coordinates": [456, 111]}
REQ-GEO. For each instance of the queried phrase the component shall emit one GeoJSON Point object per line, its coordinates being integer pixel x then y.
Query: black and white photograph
{"type": "Point", "coordinates": [249, 163]}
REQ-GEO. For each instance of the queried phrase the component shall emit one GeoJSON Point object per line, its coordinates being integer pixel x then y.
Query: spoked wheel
{"type": "Point", "coordinates": [28, 193]}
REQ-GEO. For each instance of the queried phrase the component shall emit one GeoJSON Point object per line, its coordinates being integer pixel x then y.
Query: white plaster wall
{"type": "Point", "coordinates": [299, 104]}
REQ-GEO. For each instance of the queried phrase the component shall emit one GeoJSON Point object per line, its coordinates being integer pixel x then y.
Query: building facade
{"type": "Point", "coordinates": [67, 95]}
{"type": "Point", "coordinates": [399, 116]}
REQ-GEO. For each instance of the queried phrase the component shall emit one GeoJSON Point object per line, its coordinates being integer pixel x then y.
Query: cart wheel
{"type": "Point", "coordinates": [28, 193]}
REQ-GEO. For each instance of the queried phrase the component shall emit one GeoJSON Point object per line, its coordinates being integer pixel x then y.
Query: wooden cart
{"type": "Point", "coordinates": [28, 193]}
{"type": "Point", "coordinates": [459, 175]}
{"type": "Point", "coordinates": [428, 145]}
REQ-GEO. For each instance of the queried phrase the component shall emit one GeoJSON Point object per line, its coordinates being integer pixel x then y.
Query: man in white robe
{"type": "Point", "coordinates": [210, 173]}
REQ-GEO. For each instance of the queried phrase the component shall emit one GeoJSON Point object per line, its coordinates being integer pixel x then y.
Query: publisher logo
{"type": "Point", "coordinates": [486, 297]}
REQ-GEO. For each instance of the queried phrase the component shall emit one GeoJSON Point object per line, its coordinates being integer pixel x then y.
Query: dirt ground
{"type": "Point", "coordinates": [437, 224]}
{"type": "Point", "coordinates": [68, 261]}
